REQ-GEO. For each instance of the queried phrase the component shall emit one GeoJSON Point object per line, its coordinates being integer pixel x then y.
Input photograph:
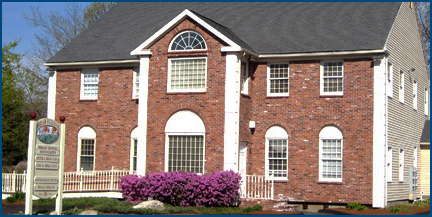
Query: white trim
{"type": "Point", "coordinates": [268, 79]}
{"type": "Point", "coordinates": [178, 19]}
{"type": "Point", "coordinates": [426, 101]}
{"type": "Point", "coordinates": [275, 133]}
{"type": "Point", "coordinates": [142, 115]}
{"type": "Point", "coordinates": [232, 111]}
{"type": "Point", "coordinates": [415, 157]}
{"type": "Point", "coordinates": [389, 165]}
{"type": "Point", "coordinates": [86, 133]}
{"type": "Point", "coordinates": [88, 71]}
{"type": "Point", "coordinates": [322, 93]}
{"type": "Point", "coordinates": [52, 82]}
{"type": "Point", "coordinates": [91, 63]}
{"type": "Point", "coordinates": [326, 133]}
{"type": "Point", "coordinates": [182, 32]}
{"type": "Point", "coordinates": [379, 182]}
{"type": "Point", "coordinates": [169, 90]}
{"type": "Point", "coordinates": [322, 54]}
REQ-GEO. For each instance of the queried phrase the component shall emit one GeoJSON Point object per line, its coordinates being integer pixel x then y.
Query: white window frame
{"type": "Point", "coordinates": [275, 133]}
{"type": "Point", "coordinates": [390, 74]}
{"type": "Point", "coordinates": [401, 86]}
{"type": "Point", "coordinates": [329, 133]}
{"type": "Point", "coordinates": [269, 79]}
{"type": "Point", "coordinates": [389, 164]}
{"type": "Point", "coordinates": [169, 90]}
{"type": "Point", "coordinates": [181, 33]}
{"type": "Point", "coordinates": [244, 78]}
{"type": "Point", "coordinates": [426, 101]}
{"type": "Point", "coordinates": [184, 123]}
{"type": "Point", "coordinates": [89, 71]}
{"type": "Point", "coordinates": [401, 164]}
{"type": "Point", "coordinates": [89, 134]}
{"type": "Point", "coordinates": [135, 89]}
{"type": "Point", "coordinates": [415, 96]}
{"type": "Point", "coordinates": [322, 93]}
{"type": "Point", "coordinates": [134, 137]}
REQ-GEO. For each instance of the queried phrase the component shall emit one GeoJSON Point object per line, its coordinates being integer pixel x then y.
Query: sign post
{"type": "Point", "coordinates": [45, 161]}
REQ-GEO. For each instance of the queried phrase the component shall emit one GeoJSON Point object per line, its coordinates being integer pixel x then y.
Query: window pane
{"type": "Point", "coordinates": [185, 153]}
{"type": "Point", "coordinates": [188, 41]}
{"type": "Point", "coordinates": [333, 77]}
{"type": "Point", "coordinates": [87, 163]}
{"type": "Point", "coordinates": [188, 74]}
{"type": "Point", "coordinates": [278, 157]}
{"type": "Point", "coordinates": [279, 78]}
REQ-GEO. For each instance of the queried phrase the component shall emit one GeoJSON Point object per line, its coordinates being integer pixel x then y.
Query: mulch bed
{"type": "Point", "coordinates": [347, 211]}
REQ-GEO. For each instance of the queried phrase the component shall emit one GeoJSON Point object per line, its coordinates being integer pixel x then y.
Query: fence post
{"type": "Point", "coordinates": [13, 181]}
{"type": "Point", "coordinates": [112, 178]}
{"type": "Point", "coordinates": [81, 179]}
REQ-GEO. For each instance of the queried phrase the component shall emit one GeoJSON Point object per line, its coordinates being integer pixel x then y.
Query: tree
{"type": "Point", "coordinates": [14, 121]}
{"type": "Point", "coordinates": [95, 11]}
{"type": "Point", "coordinates": [423, 15]}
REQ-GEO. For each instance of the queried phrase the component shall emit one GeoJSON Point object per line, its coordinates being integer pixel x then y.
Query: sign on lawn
{"type": "Point", "coordinates": [45, 161]}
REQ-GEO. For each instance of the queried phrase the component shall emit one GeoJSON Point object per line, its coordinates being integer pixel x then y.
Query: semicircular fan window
{"type": "Point", "coordinates": [188, 40]}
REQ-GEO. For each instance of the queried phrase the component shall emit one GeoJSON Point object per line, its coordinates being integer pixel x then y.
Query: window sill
{"type": "Point", "coordinates": [245, 95]}
{"type": "Point", "coordinates": [276, 97]}
{"type": "Point", "coordinates": [88, 100]}
{"type": "Point", "coordinates": [185, 93]}
{"type": "Point", "coordinates": [331, 96]}
{"type": "Point", "coordinates": [330, 182]}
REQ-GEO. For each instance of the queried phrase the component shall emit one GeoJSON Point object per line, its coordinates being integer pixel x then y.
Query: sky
{"type": "Point", "coordinates": [15, 28]}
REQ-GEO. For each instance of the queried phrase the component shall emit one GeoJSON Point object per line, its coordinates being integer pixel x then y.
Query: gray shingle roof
{"type": "Point", "coordinates": [425, 137]}
{"type": "Point", "coordinates": [265, 28]}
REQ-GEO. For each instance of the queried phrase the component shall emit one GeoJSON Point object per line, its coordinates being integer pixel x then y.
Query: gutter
{"type": "Point", "coordinates": [91, 63]}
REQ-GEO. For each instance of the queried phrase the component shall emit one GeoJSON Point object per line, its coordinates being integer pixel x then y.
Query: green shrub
{"type": "Point", "coordinates": [395, 210]}
{"type": "Point", "coordinates": [423, 203]}
{"type": "Point", "coordinates": [10, 199]}
{"type": "Point", "coordinates": [19, 195]}
{"type": "Point", "coordinates": [257, 207]}
{"type": "Point", "coordinates": [248, 209]}
{"type": "Point", "coordinates": [357, 206]}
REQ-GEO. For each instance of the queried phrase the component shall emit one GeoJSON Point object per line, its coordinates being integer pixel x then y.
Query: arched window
{"type": "Point", "coordinates": [188, 40]}
{"type": "Point", "coordinates": [185, 142]}
{"type": "Point", "coordinates": [276, 153]}
{"type": "Point", "coordinates": [133, 152]}
{"type": "Point", "coordinates": [331, 151]}
{"type": "Point", "coordinates": [86, 149]}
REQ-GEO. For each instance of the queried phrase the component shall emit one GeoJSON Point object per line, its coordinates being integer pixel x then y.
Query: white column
{"type": "Point", "coordinates": [232, 111]}
{"type": "Point", "coordinates": [52, 80]}
{"type": "Point", "coordinates": [379, 189]}
{"type": "Point", "coordinates": [142, 115]}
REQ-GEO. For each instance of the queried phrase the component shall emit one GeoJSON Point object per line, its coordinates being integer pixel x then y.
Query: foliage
{"type": "Point", "coordinates": [395, 210]}
{"type": "Point", "coordinates": [14, 121]}
{"type": "Point", "coordinates": [423, 15]}
{"type": "Point", "coordinates": [357, 206]}
{"type": "Point", "coordinates": [423, 203]}
{"type": "Point", "coordinates": [10, 199]}
{"type": "Point", "coordinates": [19, 195]}
{"type": "Point", "coordinates": [183, 188]}
{"type": "Point", "coordinates": [77, 202]}
{"type": "Point", "coordinates": [95, 11]}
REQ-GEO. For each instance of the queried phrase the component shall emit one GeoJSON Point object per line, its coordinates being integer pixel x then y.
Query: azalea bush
{"type": "Point", "coordinates": [183, 188]}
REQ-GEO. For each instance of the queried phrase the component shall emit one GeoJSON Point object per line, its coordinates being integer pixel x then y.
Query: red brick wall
{"type": "Point", "coordinates": [303, 114]}
{"type": "Point", "coordinates": [113, 116]}
{"type": "Point", "coordinates": [209, 105]}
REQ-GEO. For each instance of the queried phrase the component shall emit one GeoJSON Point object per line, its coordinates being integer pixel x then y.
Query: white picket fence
{"type": "Point", "coordinates": [83, 181]}
{"type": "Point", "coordinates": [257, 187]}
{"type": "Point", "coordinates": [252, 186]}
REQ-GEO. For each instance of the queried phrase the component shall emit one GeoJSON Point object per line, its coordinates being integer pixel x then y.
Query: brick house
{"type": "Point", "coordinates": [323, 98]}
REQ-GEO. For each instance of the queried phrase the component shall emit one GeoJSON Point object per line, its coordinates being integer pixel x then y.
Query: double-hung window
{"type": "Point", "coordinates": [86, 149]}
{"type": "Point", "coordinates": [390, 80]}
{"type": "Point", "coordinates": [415, 95]}
{"type": "Point", "coordinates": [244, 78]}
{"type": "Point", "coordinates": [134, 148]}
{"type": "Point", "coordinates": [331, 154]}
{"type": "Point", "coordinates": [278, 80]}
{"type": "Point", "coordinates": [187, 74]}
{"type": "Point", "coordinates": [135, 91]}
{"type": "Point", "coordinates": [89, 84]}
{"type": "Point", "coordinates": [331, 78]}
{"type": "Point", "coordinates": [401, 86]}
{"type": "Point", "coordinates": [276, 153]}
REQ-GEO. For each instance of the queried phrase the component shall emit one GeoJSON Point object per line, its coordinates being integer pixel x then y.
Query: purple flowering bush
{"type": "Point", "coordinates": [183, 188]}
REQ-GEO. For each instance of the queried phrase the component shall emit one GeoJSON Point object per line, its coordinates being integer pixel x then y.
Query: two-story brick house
{"type": "Point", "coordinates": [327, 99]}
